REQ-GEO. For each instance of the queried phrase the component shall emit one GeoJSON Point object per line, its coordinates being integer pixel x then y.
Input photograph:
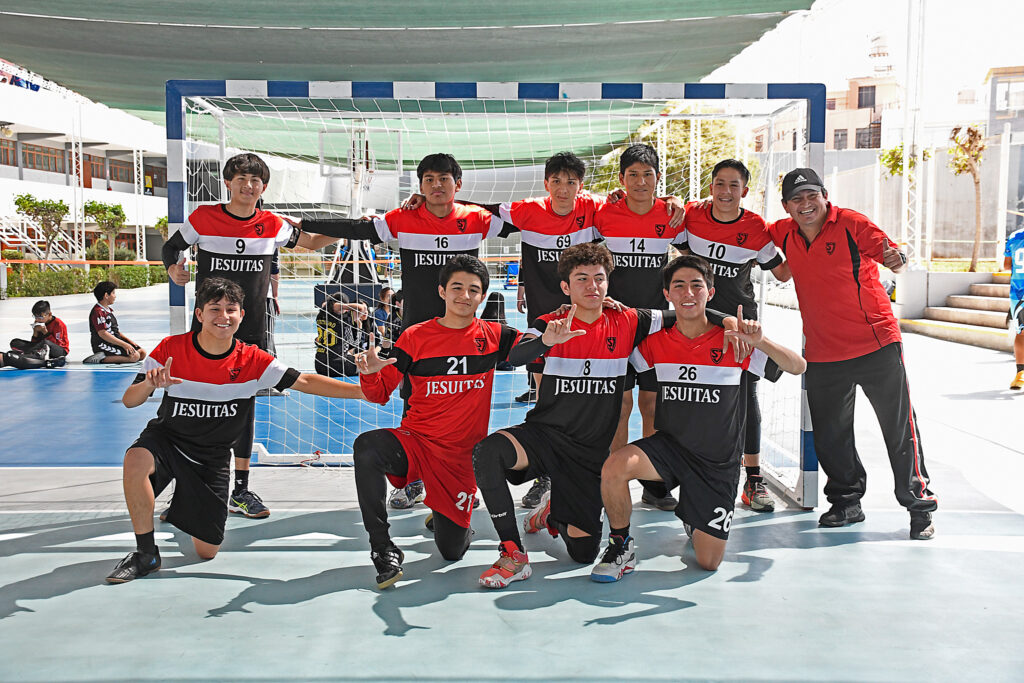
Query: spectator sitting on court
{"type": "Point", "coordinates": [48, 346]}
{"type": "Point", "coordinates": [108, 344]}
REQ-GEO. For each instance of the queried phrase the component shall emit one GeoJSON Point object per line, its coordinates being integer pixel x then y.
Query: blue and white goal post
{"type": "Point", "coordinates": [350, 148]}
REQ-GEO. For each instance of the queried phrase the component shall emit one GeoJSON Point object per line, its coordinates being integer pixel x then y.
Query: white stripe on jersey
{"type": "Point", "coordinates": [542, 241]}
{"type": "Point", "coordinates": [758, 361]}
{"type": "Point", "coordinates": [251, 246]}
{"type": "Point", "coordinates": [505, 212]}
{"type": "Point", "coordinates": [673, 373]}
{"type": "Point", "coordinates": [648, 246]}
{"type": "Point", "coordinates": [584, 367]}
{"type": "Point", "coordinates": [380, 224]}
{"type": "Point", "coordinates": [727, 253]}
{"type": "Point", "coordinates": [219, 393]}
{"type": "Point", "coordinates": [497, 223]}
{"type": "Point", "coordinates": [638, 362]}
{"type": "Point", "coordinates": [420, 242]}
{"type": "Point", "coordinates": [188, 233]}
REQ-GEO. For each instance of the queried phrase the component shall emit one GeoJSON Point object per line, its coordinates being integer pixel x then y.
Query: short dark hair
{"type": "Point", "coordinates": [687, 261]}
{"type": "Point", "coordinates": [217, 288]}
{"type": "Point", "coordinates": [41, 307]}
{"type": "Point", "coordinates": [103, 288]}
{"type": "Point", "coordinates": [464, 263]}
{"type": "Point", "coordinates": [247, 163]}
{"type": "Point", "coordinates": [439, 163]}
{"type": "Point", "coordinates": [565, 162]}
{"type": "Point", "coordinates": [586, 254]}
{"type": "Point", "coordinates": [398, 298]}
{"type": "Point", "coordinates": [638, 154]}
{"type": "Point", "coordinates": [732, 163]}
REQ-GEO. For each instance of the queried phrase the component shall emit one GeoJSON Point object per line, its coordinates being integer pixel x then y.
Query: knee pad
{"type": "Point", "coordinates": [494, 448]}
{"type": "Point", "coordinates": [375, 446]}
{"type": "Point", "coordinates": [583, 550]}
{"type": "Point", "coordinates": [17, 359]}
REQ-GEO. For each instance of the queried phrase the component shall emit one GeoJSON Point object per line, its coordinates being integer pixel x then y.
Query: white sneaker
{"type": "Point", "coordinates": [619, 559]}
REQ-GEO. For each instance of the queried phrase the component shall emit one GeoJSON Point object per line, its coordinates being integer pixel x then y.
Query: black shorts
{"type": "Point", "coordinates": [648, 381]}
{"type": "Point", "coordinates": [707, 495]}
{"type": "Point", "coordinates": [199, 506]}
{"type": "Point", "coordinates": [105, 347]}
{"type": "Point", "coordinates": [575, 472]}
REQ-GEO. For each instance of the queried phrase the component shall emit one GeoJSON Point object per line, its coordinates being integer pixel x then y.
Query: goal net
{"type": "Point", "coordinates": [348, 149]}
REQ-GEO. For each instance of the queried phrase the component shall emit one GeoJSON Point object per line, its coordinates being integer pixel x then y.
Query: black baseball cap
{"type": "Point", "coordinates": [800, 179]}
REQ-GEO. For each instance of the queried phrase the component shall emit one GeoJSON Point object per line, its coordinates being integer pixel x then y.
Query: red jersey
{"type": "Point", "coordinates": [426, 243]}
{"type": "Point", "coordinates": [206, 414]}
{"type": "Point", "coordinates": [731, 248]}
{"type": "Point", "coordinates": [240, 250]}
{"type": "Point", "coordinates": [57, 332]}
{"type": "Point", "coordinates": [545, 236]}
{"type": "Point", "coordinates": [845, 310]}
{"type": "Point", "coordinates": [101, 318]}
{"type": "Point", "coordinates": [581, 392]}
{"type": "Point", "coordinates": [702, 391]}
{"type": "Point", "coordinates": [450, 373]}
{"type": "Point", "coordinates": [639, 243]}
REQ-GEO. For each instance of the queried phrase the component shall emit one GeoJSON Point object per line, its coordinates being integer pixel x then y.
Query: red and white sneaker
{"type": "Point", "coordinates": [537, 520]}
{"type": "Point", "coordinates": [512, 565]}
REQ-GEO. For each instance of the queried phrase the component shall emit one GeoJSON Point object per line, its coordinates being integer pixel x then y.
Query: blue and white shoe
{"type": "Point", "coordinates": [619, 559]}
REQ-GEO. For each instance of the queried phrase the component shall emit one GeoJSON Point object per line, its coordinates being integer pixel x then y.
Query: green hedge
{"type": "Point", "coordinates": [35, 283]}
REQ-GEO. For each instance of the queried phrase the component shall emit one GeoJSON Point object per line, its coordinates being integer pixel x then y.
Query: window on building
{"type": "Point", "coordinates": [121, 171]}
{"type": "Point", "coordinates": [866, 97]}
{"type": "Point", "coordinates": [839, 139]}
{"type": "Point", "coordinates": [41, 158]}
{"type": "Point", "coordinates": [759, 144]}
{"type": "Point", "coordinates": [96, 167]}
{"type": "Point", "coordinates": [830, 104]}
{"type": "Point", "coordinates": [870, 137]}
{"type": "Point", "coordinates": [8, 153]}
{"type": "Point", "coordinates": [158, 174]}
{"type": "Point", "coordinates": [794, 140]}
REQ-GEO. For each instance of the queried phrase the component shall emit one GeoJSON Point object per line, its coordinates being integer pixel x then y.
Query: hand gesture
{"type": "Point", "coordinates": [737, 333]}
{"type": "Point", "coordinates": [368, 362]}
{"type": "Point", "coordinates": [615, 196]}
{"type": "Point", "coordinates": [521, 299]}
{"type": "Point", "coordinates": [893, 258]}
{"type": "Point", "coordinates": [676, 211]}
{"type": "Point", "coordinates": [414, 202]}
{"type": "Point", "coordinates": [160, 378]}
{"type": "Point", "coordinates": [178, 272]}
{"type": "Point", "coordinates": [559, 331]}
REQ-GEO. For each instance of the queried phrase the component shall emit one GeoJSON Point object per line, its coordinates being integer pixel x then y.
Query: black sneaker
{"type": "Point", "coordinates": [528, 397]}
{"type": "Point", "coordinates": [249, 504]}
{"type": "Point", "coordinates": [842, 515]}
{"type": "Point", "coordinates": [532, 497]}
{"type": "Point", "coordinates": [133, 566]}
{"type": "Point", "coordinates": [388, 563]}
{"type": "Point", "coordinates": [921, 527]}
{"type": "Point", "coordinates": [668, 503]}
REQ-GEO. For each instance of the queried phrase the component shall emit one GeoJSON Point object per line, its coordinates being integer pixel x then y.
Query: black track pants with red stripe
{"type": "Point", "coordinates": [831, 392]}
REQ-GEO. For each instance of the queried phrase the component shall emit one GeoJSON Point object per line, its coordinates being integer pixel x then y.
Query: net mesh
{"type": "Point", "coordinates": [354, 157]}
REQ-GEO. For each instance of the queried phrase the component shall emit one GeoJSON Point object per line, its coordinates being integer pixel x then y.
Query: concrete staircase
{"type": "Point", "coordinates": [977, 318]}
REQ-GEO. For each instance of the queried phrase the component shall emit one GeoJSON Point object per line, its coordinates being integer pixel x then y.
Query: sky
{"type": "Point", "coordinates": [829, 44]}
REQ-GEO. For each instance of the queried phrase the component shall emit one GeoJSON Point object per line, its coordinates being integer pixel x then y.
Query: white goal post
{"type": "Point", "coordinates": [319, 135]}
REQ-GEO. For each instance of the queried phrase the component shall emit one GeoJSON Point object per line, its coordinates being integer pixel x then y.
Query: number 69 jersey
{"type": "Point", "coordinates": [702, 391]}
{"type": "Point", "coordinates": [450, 373]}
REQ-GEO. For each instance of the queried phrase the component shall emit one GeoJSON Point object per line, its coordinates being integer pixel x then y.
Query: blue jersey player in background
{"type": "Point", "coordinates": [1013, 260]}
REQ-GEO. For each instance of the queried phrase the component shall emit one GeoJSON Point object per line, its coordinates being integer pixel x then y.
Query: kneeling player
{"type": "Point", "coordinates": [448, 363]}
{"type": "Point", "coordinates": [699, 420]}
{"type": "Point", "coordinates": [568, 434]}
{"type": "Point", "coordinates": [206, 407]}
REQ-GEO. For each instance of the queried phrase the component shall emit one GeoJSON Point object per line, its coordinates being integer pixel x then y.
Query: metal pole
{"type": "Point", "coordinates": [1004, 191]}
{"type": "Point", "coordinates": [932, 183]}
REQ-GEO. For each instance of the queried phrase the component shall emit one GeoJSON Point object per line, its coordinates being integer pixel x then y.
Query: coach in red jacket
{"type": "Point", "coordinates": [852, 338]}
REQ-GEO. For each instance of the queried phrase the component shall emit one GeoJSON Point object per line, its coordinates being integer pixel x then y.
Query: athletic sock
{"type": "Point", "coordinates": [754, 471]}
{"type": "Point", "coordinates": [622, 533]}
{"type": "Point", "coordinates": [146, 543]}
{"type": "Point", "coordinates": [491, 457]}
{"type": "Point", "coordinates": [241, 480]}
{"type": "Point", "coordinates": [1020, 367]}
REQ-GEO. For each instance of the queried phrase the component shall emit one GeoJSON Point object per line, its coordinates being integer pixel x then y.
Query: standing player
{"type": "Point", "coordinates": [237, 241]}
{"type": "Point", "coordinates": [567, 434]}
{"type": "Point", "coordinates": [852, 338]}
{"type": "Point", "coordinates": [207, 406]}
{"type": "Point", "coordinates": [638, 236]}
{"type": "Point", "coordinates": [449, 365]}
{"type": "Point", "coordinates": [732, 240]}
{"type": "Point", "coordinates": [1013, 261]}
{"type": "Point", "coordinates": [699, 420]}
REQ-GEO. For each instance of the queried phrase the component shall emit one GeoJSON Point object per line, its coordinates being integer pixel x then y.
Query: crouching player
{"type": "Point", "coordinates": [206, 407]}
{"type": "Point", "coordinates": [699, 420]}
{"type": "Point", "coordinates": [448, 363]}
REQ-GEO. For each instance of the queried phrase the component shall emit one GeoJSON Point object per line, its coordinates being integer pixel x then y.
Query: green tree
{"type": "Point", "coordinates": [109, 217]}
{"type": "Point", "coordinates": [892, 161]}
{"type": "Point", "coordinates": [47, 213]}
{"type": "Point", "coordinates": [965, 149]}
{"type": "Point", "coordinates": [161, 227]}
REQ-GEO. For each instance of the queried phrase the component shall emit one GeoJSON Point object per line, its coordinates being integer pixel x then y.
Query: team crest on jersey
{"type": "Point", "coordinates": [741, 237]}
{"type": "Point", "coordinates": [579, 221]}
{"type": "Point", "coordinates": [660, 229]}
{"type": "Point", "coordinates": [259, 229]}
{"type": "Point", "coordinates": [480, 341]}
{"type": "Point", "coordinates": [609, 342]}
{"type": "Point", "coordinates": [233, 373]}
{"type": "Point", "coordinates": [717, 355]}
{"type": "Point", "coordinates": [830, 247]}
{"type": "Point", "coordinates": [460, 223]}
